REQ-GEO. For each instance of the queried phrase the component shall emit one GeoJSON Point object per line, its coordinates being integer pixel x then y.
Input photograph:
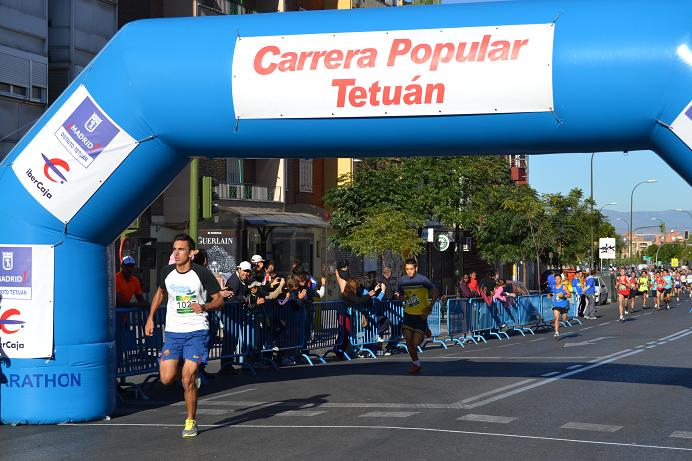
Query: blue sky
{"type": "Point", "coordinates": [615, 174]}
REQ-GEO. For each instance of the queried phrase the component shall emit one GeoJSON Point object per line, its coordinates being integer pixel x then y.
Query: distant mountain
{"type": "Point", "coordinates": [674, 220]}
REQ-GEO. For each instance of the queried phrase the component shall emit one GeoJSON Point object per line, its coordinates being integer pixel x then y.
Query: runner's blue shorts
{"type": "Point", "coordinates": [193, 346]}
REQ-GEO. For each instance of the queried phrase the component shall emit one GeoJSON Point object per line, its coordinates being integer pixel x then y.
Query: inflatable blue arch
{"type": "Point", "coordinates": [490, 77]}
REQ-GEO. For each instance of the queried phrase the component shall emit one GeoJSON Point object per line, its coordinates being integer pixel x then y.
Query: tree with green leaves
{"type": "Point", "coordinates": [449, 190]}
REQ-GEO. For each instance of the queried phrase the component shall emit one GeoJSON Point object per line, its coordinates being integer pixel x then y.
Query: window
{"type": "Point", "coordinates": [38, 94]}
{"type": "Point", "coordinates": [19, 91]}
{"type": "Point", "coordinates": [234, 171]}
{"type": "Point", "coordinates": [305, 175]}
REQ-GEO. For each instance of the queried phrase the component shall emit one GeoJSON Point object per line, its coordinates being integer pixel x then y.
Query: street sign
{"type": "Point", "coordinates": [606, 248]}
{"type": "Point", "coordinates": [674, 262]}
{"type": "Point", "coordinates": [442, 242]}
{"type": "Point", "coordinates": [646, 258]}
{"type": "Point", "coordinates": [466, 243]}
{"type": "Point", "coordinates": [428, 234]}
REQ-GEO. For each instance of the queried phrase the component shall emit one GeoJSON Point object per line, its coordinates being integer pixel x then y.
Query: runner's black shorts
{"type": "Point", "coordinates": [415, 323]}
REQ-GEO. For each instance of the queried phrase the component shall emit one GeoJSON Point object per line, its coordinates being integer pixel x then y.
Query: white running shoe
{"type": "Point", "coordinates": [622, 319]}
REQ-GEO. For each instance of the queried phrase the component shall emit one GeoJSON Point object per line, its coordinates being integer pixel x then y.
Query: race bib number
{"type": "Point", "coordinates": [184, 303]}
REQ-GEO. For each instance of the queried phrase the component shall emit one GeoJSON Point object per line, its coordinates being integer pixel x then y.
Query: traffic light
{"type": "Point", "coordinates": [210, 196]}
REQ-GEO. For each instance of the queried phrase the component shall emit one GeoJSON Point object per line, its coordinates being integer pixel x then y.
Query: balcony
{"type": "Point", "coordinates": [250, 192]}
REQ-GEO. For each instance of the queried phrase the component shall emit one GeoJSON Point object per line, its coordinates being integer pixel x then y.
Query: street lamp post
{"type": "Point", "coordinates": [648, 181]}
{"type": "Point", "coordinates": [629, 237]}
{"type": "Point", "coordinates": [684, 211]}
{"type": "Point", "coordinates": [591, 204]}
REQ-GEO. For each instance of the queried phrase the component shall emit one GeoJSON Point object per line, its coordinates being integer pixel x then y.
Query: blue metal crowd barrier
{"type": "Point", "coordinates": [231, 335]}
{"type": "Point", "coordinates": [529, 312]}
{"type": "Point", "coordinates": [486, 320]}
{"type": "Point", "coordinates": [364, 328]}
{"type": "Point", "coordinates": [326, 329]}
{"type": "Point", "coordinates": [435, 326]}
{"type": "Point", "coordinates": [547, 311]}
{"type": "Point", "coordinates": [394, 311]}
{"type": "Point", "coordinates": [247, 335]}
{"type": "Point", "coordinates": [137, 354]}
{"type": "Point", "coordinates": [459, 328]}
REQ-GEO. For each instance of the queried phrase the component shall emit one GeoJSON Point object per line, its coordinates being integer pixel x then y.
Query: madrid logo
{"type": "Point", "coordinates": [7, 260]}
{"type": "Point", "coordinates": [93, 122]}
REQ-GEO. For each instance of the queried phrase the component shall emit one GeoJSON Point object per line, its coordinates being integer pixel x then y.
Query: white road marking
{"type": "Point", "coordinates": [495, 391]}
{"type": "Point", "coordinates": [308, 404]}
{"type": "Point", "coordinates": [574, 366]}
{"type": "Point", "coordinates": [389, 414]}
{"type": "Point", "coordinates": [609, 355]}
{"type": "Point", "coordinates": [680, 336]}
{"type": "Point", "coordinates": [209, 411]}
{"type": "Point", "coordinates": [587, 328]}
{"type": "Point", "coordinates": [226, 395]}
{"type": "Point", "coordinates": [591, 427]}
{"type": "Point", "coordinates": [650, 347]}
{"type": "Point", "coordinates": [547, 381]}
{"type": "Point", "coordinates": [552, 373]}
{"type": "Point", "coordinates": [488, 419]}
{"type": "Point", "coordinates": [386, 428]}
{"type": "Point", "coordinates": [543, 357]}
{"type": "Point", "coordinates": [674, 334]}
{"type": "Point", "coordinates": [681, 435]}
{"type": "Point", "coordinates": [651, 342]}
{"type": "Point", "coordinates": [300, 413]}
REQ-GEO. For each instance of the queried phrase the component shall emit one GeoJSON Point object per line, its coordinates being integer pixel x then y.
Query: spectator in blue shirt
{"type": "Point", "coordinates": [590, 294]}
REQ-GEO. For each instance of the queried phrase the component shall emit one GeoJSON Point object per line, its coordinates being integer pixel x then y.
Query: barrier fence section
{"type": "Point", "coordinates": [486, 320]}
{"type": "Point", "coordinates": [435, 326]}
{"type": "Point", "coordinates": [137, 354]}
{"type": "Point", "coordinates": [529, 312]}
{"type": "Point", "coordinates": [459, 321]}
{"type": "Point", "coordinates": [247, 335]}
{"type": "Point", "coordinates": [327, 331]}
{"type": "Point", "coordinates": [548, 316]}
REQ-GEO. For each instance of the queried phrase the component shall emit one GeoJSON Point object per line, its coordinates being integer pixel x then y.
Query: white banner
{"type": "Point", "coordinates": [26, 301]}
{"type": "Point", "coordinates": [682, 125]}
{"type": "Point", "coordinates": [467, 70]}
{"type": "Point", "coordinates": [606, 248]}
{"type": "Point", "coordinates": [72, 155]}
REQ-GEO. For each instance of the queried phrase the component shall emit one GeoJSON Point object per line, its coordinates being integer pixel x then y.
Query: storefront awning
{"type": "Point", "coordinates": [258, 217]}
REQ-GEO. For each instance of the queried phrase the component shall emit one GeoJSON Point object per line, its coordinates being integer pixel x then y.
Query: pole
{"type": "Point", "coordinates": [591, 226]}
{"type": "Point", "coordinates": [631, 237]}
{"type": "Point", "coordinates": [194, 197]}
{"type": "Point", "coordinates": [648, 181]}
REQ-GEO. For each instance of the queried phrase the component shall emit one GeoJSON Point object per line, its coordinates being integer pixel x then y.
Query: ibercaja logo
{"type": "Point", "coordinates": [10, 322]}
{"type": "Point", "coordinates": [86, 132]}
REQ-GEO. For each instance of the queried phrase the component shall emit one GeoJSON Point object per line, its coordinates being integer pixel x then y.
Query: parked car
{"type": "Point", "coordinates": [601, 292]}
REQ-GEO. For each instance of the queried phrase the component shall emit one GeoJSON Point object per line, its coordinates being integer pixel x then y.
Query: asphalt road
{"type": "Point", "coordinates": [605, 390]}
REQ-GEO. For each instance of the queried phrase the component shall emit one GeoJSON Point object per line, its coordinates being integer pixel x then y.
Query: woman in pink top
{"type": "Point", "coordinates": [499, 292]}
